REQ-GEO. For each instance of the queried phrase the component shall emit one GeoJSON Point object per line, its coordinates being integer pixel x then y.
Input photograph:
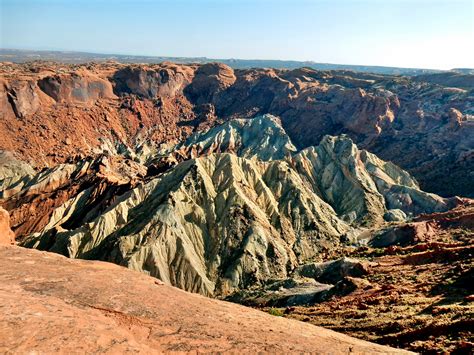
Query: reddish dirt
{"type": "Point", "coordinates": [51, 304]}
{"type": "Point", "coordinates": [418, 297]}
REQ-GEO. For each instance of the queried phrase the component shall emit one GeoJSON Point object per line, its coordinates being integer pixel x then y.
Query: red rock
{"type": "Point", "coordinates": [7, 237]}
{"type": "Point", "coordinates": [469, 298]}
{"type": "Point", "coordinates": [44, 103]}
{"type": "Point", "coordinates": [52, 304]}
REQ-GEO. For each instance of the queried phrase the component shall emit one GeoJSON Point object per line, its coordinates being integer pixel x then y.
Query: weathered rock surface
{"type": "Point", "coordinates": [333, 271]}
{"type": "Point", "coordinates": [262, 138]}
{"type": "Point", "coordinates": [50, 114]}
{"type": "Point", "coordinates": [7, 237]}
{"type": "Point", "coordinates": [395, 215]}
{"type": "Point", "coordinates": [404, 235]}
{"type": "Point", "coordinates": [209, 81]}
{"type": "Point", "coordinates": [418, 124]}
{"type": "Point", "coordinates": [152, 82]}
{"type": "Point", "coordinates": [210, 225]}
{"type": "Point", "coordinates": [418, 292]}
{"type": "Point", "coordinates": [85, 306]}
{"type": "Point", "coordinates": [79, 87]}
{"type": "Point", "coordinates": [426, 228]}
{"type": "Point", "coordinates": [308, 284]}
{"type": "Point", "coordinates": [219, 223]}
{"type": "Point", "coordinates": [14, 174]}
{"type": "Point", "coordinates": [183, 173]}
{"type": "Point", "coordinates": [91, 183]}
{"type": "Point", "coordinates": [360, 186]}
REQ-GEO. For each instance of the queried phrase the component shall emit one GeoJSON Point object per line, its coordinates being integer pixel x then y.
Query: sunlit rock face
{"type": "Point", "coordinates": [209, 225]}
{"type": "Point", "coordinates": [360, 186]}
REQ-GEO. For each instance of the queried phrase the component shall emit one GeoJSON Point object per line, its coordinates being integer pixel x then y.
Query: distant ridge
{"type": "Point", "coordinates": [20, 56]}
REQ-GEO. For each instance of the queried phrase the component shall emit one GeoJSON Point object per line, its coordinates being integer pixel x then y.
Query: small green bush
{"type": "Point", "coordinates": [275, 312]}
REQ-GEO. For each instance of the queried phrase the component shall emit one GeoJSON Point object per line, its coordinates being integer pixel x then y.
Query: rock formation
{"type": "Point", "coordinates": [14, 174]}
{"type": "Point", "coordinates": [262, 138]}
{"type": "Point", "coordinates": [261, 186]}
{"type": "Point", "coordinates": [214, 222]}
{"type": "Point", "coordinates": [426, 228]}
{"type": "Point", "coordinates": [51, 111]}
{"type": "Point", "coordinates": [219, 222]}
{"type": "Point", "coordinates": [85, 306]}
{"type": "Point", "coordinates": [361, 186]}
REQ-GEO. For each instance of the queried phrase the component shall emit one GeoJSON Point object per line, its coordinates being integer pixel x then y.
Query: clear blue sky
{"type": "Point", "coordinates": [408, 33]}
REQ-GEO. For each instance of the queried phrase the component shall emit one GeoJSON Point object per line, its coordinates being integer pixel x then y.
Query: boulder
{"type": "Point", "coordinates": [410, 233]}
{"type": "Point", "coordinates": [395, 215]}
{"type": "Point", "coordinates": [333, 271]}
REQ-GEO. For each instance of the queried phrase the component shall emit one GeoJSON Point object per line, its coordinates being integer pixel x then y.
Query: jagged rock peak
{"type": "Point", "coordinates": [261, 137]}
{"type": "Point", "coordinates": [360, 186]}
{"type": "Point", "coordinates": [210, 225]}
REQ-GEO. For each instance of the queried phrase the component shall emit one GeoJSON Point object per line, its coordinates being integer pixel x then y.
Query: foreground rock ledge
{"type": "Point", "coordinates": [53, 304]}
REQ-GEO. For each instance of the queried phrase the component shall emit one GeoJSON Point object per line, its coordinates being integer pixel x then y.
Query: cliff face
{"type": "Point", "coordinates": [424, 124]}
{"type": "Point", "coordinates": [223, 219]}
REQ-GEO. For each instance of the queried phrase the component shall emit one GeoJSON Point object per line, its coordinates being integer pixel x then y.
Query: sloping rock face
{"type": "Point", "coordinates": [422, 126]}
{"type": "Point", "coordinates": [14, 174]}
{"type": "Point", "coordinates": [210, 225]}
{"type": "Point", "coordinates": [92, 183]}
{"type": "Point", "coordinates": [154, 81]}
{"type": "Point", "coordinates": [89, 307]}
{"type": "Point", "coordinates": [261, 138]}
{"type": "Point", "coordinates": [50, 114]}
{"type": "Point", "coordinates": [81, 87]}
{"type": "Point", "coordinates": [217, 223]}
{"type": "Point", "coordinates": [209, 81]}
{"type": "Point", "coordinates": [21, 97]}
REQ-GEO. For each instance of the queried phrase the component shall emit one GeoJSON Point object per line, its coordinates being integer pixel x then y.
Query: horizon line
{"type": "Point", "coordinates": [220, 59]}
